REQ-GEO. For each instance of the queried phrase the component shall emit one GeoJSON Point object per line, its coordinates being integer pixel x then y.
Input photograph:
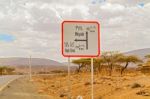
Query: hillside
{"type": "Point", "coordinates": [38, 65]}
{"type": "Point", "coordinates": [71, 64]}
{"type": "Point", "coordinates": [139, 52]}
{"type": "Point", "coordinates": [25, 62]}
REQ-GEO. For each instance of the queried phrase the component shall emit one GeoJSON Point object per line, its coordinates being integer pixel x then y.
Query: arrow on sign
{"type": "Point", "coordinates": [79, 40]}
{"type": "Point", "coordinates": [86, 40]}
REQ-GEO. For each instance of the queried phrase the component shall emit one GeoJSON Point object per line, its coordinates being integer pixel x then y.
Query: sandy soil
{"type": "Point", "coordinates": [105, 87]}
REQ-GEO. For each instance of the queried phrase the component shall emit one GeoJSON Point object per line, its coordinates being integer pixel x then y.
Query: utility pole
{"type": "Point", "coordinates": [30, 69]}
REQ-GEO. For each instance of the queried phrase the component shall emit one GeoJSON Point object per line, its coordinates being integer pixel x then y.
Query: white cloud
{"type": "Point", "coordinates": [115, 21]}
{"type": "Point", "coordinates": [112, 7]}
{"type": "Point", "coordinates": [2, 15]}
{"type": "Point", "coordinates": [36, 25]}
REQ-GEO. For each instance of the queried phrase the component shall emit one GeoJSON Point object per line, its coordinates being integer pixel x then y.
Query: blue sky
{"type": "Point", "coordinates": [98, 1]}
{"type": "Point", "coordinates": [141, 4]}
{"type": "Point", "coordinates": [6, 37]}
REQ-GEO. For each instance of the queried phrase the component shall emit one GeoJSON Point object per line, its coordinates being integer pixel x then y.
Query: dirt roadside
{"type": "Point", "coordinates": [105, 87]}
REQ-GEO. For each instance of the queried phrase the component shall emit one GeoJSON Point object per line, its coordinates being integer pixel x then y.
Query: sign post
{"type": "Point", "coordinates": [69, 83]}
{"type": "Point", "coordinates": [92, 79]}
{"type": "Point", "coordinates": [80, 39]}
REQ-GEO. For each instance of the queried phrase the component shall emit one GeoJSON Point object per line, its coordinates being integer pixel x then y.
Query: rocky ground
{"type": "Point", "coordinates": [105, 87]}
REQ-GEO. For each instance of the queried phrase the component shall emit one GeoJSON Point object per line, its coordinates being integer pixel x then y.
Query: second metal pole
{"type": "Point", "coordinates": [92, 78]}
{"type": "Point", "coordinates": [69, 83]}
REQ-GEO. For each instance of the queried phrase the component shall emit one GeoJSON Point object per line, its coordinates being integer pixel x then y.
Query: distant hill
{"type": "Point", "coordinates": [71, 64]}
{"type": "Point", "coordinates": [139, 52]}
{"type": "Point", "coordinates": [38, 65]}
{"type": "Point", "coordinates": [51, 64]}
{"type": "Point", "coordinates": [25, 62]}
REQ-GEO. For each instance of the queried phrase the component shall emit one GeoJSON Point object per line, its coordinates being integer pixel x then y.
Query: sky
{"type": "Point", "coordinates": [33, 27]}
{"type": "Point", "coordinates": [6, 37]}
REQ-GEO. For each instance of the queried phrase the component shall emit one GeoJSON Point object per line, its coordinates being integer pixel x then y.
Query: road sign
{"type": "Point", "coordinates": [80, 39]}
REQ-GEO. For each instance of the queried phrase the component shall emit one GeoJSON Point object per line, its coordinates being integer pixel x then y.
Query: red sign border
{"type": "Point", "coordinates": [62, 38]}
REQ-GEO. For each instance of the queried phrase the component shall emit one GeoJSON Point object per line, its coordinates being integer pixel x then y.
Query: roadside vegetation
{"type": "Point", "coordinates": [5, 70]}
{"type": "Point", "coordinates": [145, 67]}
{"type": "Point", "coordinates": [109, 62]}
{"type": "Point", "coordinates": [116, 76]}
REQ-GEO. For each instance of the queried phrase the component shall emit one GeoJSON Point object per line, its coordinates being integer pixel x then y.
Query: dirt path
{"type": "Point", "coordinates": [22, 89]}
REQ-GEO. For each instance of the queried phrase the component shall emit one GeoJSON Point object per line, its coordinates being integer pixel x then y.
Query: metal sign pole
{"type": "Point", "coordinates": [92, 78]}
{"type": "Point", "coordinates": [69, 83]}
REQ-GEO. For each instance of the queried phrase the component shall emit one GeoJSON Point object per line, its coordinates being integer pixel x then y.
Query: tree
{"type": "Point", "coordinates": [98, 62]}
{"type": "Point", "coordinates": [10, 70]}
{"type": "Point", "coordinates": [81, 63]}
{"type": "Point", "coordinates": [147, 56]}
{"type": "Point", "coordinates": [6, 70]}
{"type": "Point", "coordinates": [127, 60]}
{"type": "Point", "coordinates": [148, 59]}
{"type": "Point", "coordinates": [111, 59]}
{"type": "Point", "coordinates": [1, 70]}
{"type": "Point", "coordinates": [145, 68]}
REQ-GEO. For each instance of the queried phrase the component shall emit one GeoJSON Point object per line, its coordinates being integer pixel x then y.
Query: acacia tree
{"type": "Point", "coordinates": [147, 56]}
{"type": "Point", "coordinates": [10, 70]}
{"type": "Point", "coordinates": [98, 62]}
{"type": "Point", "coordinates": [1, 70]}
{"type": "Point", "coordinates": [81, 63]}
{"type": "Point", "coordinates": [127, 60]}
{"type": "Point", "coordinates": [6, 70]}
{"type": "Point", "coordinates": [111, 59]}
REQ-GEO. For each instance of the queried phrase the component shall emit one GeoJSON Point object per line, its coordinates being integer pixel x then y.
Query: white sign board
{"type": "Point", "coordinates": [80, 39]}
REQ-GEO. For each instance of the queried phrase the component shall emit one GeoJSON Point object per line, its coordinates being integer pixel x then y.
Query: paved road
{"type": "Point", "coordinates": [22, 88]}
{"type": "Point", "coordinates": [4, 80]}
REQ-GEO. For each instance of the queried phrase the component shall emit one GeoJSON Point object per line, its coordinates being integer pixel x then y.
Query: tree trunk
{"type": "Point", "coordinates": [111, 68]}
{"type": "Point", "coordinates": [122, 70]}
{"type": "Point", "coordinates": [78, 69]}
{"type": "Point", "coordinates": [99, 67]}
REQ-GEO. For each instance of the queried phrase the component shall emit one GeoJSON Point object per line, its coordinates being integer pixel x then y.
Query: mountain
{"type": "Point", "coordinates": [71, 64]}
{"type": "Point", "coordinates": [139, 52]}
{"type": "Point", "coordinates": [53, 65]}
{"type": "Point", "coordinates": [25, 62]}
{"type": "Point", "coordinates": [39, 65]}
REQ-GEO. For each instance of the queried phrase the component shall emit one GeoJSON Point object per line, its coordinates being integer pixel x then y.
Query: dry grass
{"type": "Point", "coordinates": [105, 87]}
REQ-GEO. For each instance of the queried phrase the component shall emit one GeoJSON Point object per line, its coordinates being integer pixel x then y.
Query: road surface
{"type": "Point", "coordinates": [22, 88]}
{"type": "Point", "coordinates": [5, 80]}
